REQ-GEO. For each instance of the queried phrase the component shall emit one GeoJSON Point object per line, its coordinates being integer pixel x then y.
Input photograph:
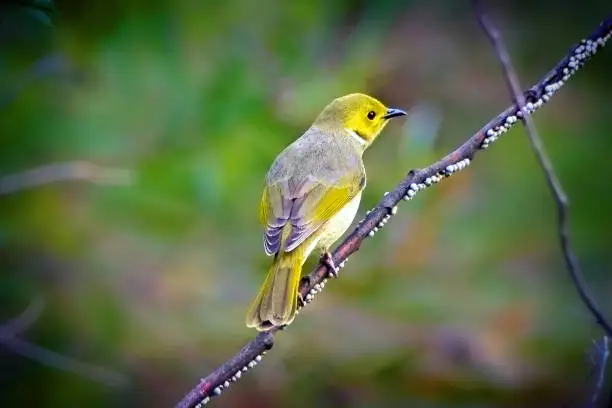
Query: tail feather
{"type": "Point", "coordinates": [276, 302]}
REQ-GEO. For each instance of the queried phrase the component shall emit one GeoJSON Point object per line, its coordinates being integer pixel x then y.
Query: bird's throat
{"type": "Point", "coordinates": [363, 143]}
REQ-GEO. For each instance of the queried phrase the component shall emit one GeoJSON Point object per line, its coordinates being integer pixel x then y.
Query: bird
{"type": "Point", "coordinates": [310, 198]}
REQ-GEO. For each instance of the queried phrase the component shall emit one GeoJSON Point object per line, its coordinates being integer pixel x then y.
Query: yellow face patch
{"type": "Point", "coordinates": [365, 117]}
{"type": "Point", "coordinates": [359, 114]}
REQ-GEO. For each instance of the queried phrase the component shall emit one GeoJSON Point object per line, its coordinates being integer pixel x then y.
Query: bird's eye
{"type": "Point", "coordinates": [371, 115]}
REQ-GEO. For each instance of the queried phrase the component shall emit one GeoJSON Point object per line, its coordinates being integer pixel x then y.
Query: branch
{"type": "Point", "coordinates": [604, 352]}
{"type": "Point", "coordinates": [415, 181]}
{"type": "Point", "coordinates": [561, 201]}
{"type": "Point", "coordinates": [8, 338]}
{"type": "Point", "coordinates": [44, 66]}
{"type": "Point", "coordinates": [25, 320]}
{"type": "Point", "coordinates": [52, 173]}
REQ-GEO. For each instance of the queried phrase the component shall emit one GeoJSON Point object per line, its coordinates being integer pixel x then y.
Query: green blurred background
{"type": "Point", "coordinates": [461, 301]}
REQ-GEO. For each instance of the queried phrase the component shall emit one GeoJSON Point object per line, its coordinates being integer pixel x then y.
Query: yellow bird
{"type": "Point", "coordinates": [310, 198]}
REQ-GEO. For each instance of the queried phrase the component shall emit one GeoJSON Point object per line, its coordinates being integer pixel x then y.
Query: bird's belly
{"type": "Point", "coordinates": [339, 223]}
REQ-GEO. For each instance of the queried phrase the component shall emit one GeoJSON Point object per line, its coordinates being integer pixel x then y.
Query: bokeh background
{"type": "Point", "coordinates": [139, 276]}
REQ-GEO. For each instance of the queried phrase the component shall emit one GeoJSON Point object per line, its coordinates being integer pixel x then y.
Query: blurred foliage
{"type": "Point", "coordinates": [462, 301]}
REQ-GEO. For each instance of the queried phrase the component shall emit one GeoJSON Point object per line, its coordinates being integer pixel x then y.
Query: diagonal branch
{"type": "Point", "coordinates": [25, 320]}
{"type": "Point", "coordinates": [8, 338]}
{"type": "Point", "coordinates": [604, 353]}
{"type": "Point", "coordinates": [561, 201]}
{"type": "Point", "coordinates": [66, 171]}
{"type": "Point", "coordinates": [415, 181]}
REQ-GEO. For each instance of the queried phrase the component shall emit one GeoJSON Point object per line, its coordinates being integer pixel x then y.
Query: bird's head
{"type": "Point", "coordinates": [358, 115]}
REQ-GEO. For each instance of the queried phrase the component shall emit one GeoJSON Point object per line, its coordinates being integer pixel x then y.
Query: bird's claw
{"type": "Point", "coordinates": [328, 261]}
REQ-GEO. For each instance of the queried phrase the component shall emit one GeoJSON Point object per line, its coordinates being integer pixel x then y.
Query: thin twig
{"type": "Point", "coordinates": [604, 352]}
{"type": "Point", "coordinates": [47, 65]}
{"type": "Point", "coordinates": [56, 172]}
{"type": "Point", "coordinates": [25, 320]}
{"type": "Point", "coordinates": [8, 338]}
{"type": "Point", "coordinates": [64, 363]}
{"type": "Point", "coordinates": [555, 187]}
{"type": "Point", "coordinates": [415, 181]}
{"type": "Point", "coordinates": [561, 201]}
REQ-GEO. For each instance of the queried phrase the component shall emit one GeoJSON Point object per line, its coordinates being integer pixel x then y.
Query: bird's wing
{"type": "Point", "coordinates": [306, 208]}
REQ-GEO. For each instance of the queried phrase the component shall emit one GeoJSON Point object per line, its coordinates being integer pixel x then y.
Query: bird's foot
{"type": "Point", "coordinates": [328, 261]}
{"type": "Point", "coordinates": [300, 300]}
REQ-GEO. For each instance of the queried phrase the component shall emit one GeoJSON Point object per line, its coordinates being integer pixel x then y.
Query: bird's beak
{"type": "Point", "coordinates": [393, 113]}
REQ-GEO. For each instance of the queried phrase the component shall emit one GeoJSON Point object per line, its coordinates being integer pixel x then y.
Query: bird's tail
{"type": "Point", "coordinates": [276, 302]}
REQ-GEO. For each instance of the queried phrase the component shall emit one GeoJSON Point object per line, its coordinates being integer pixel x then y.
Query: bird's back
{"type": "Point", "coordinates": [319, 156]}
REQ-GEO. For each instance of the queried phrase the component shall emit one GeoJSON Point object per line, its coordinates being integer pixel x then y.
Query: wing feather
{"type": "Point", "coordinates": [306, 212]}
{"type": "Point", "coordinates": [305, 197]}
